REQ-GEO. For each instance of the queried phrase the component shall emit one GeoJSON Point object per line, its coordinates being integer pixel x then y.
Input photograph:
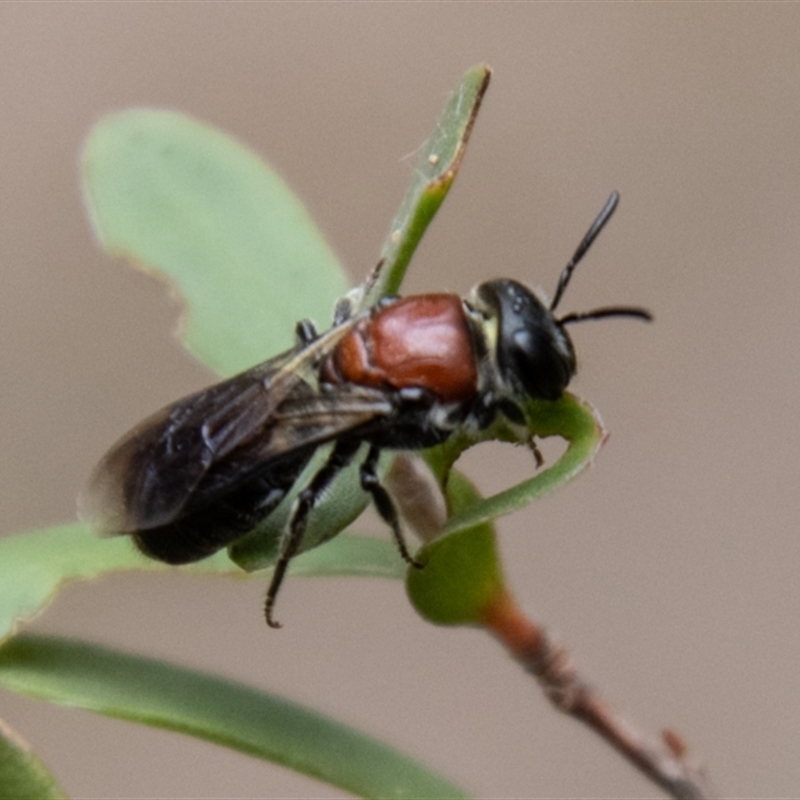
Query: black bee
{"type": "Point", "coordinates": [403, 374]}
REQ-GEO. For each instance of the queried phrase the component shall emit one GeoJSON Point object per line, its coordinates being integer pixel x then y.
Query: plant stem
{"type": "Point", "coordinates": [664, 762]}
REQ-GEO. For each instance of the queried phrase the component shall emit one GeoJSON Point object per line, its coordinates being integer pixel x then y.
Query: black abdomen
{"type": "Point", "coordinates": [203, 531]}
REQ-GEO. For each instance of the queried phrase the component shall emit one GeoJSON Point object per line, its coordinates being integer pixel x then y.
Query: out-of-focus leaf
{"type": "Point", "coordinates": [191, 204]}
{"type": "Point", "coordinates": [253, 722]}
{"type": "Point", "coordinates": [22, 775]}
{"type": "Point", "coordinates": [34, 566]}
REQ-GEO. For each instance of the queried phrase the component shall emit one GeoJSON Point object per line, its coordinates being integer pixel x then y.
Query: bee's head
{"type": "Point", "coordinates": [531, 349]}
{"type": "Point", "coordinates": [529, 345]}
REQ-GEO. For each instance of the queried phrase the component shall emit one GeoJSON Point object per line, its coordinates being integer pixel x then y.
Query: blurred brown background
{"type": "Point", "coordinates": [670, 569]}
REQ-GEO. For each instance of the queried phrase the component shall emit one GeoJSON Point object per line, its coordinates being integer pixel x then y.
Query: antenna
{"type": "Point", "coordinates": [608, 311]}
{"type": "Point", "coordinates": [602, 218]}
{"type": "Point", "coordinates": [598, 313]}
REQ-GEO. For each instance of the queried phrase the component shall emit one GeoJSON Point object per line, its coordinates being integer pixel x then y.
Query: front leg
{"type": "Point", "coordinates": [305, 333]}
{"type": "Point", "coordinates": [383, 502]}
{"type": "Point", "coordinates": [537, 453]}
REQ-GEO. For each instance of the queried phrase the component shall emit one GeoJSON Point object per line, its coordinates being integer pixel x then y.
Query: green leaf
{"type": "Point", "coordinates": [196, 207]}
{"type": "Point", "coordinates": [22, 775]}
{"type": "Point", "coordinates": [462, 575]}
{"type": "Point", "coordinates": [437, 166]}
{"type": "Point", "coordinates": [462, 580]}
{"type": "Point", "coordinates": [34, 566]}
{"type": "Point", "coordinates": [569, 418]}
{"type": "Point", "coordinates": [351, 555]}
{"type": "Point", "coordinates": [253, 722]}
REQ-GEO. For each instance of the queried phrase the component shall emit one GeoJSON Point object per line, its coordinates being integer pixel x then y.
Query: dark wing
{"type": "Point", "coordinates": [202, 447]}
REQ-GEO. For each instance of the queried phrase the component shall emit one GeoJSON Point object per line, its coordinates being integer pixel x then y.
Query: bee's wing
{"type": "Point", "coordinates": [199, 448]}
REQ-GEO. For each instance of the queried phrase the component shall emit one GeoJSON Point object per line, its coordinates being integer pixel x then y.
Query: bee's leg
{"type": "Point", "coordinates": [537, 453]}
{"type": "Point", "coordinates": [305, 332]}
{"type": "Point", "coordinates": [383, 502]}
{"type": "Point", "coordinates": [341, 455]}
{"type": "Point", "coordinates": [344, 310]}
{"type": "Point", "coordinates": [353, 302]}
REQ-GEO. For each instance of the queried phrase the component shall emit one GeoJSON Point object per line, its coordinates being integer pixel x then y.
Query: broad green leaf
{"type": "Point", "coordinates": [22, 775]}
{"type": "Point", "coordinates": [437, 166]}
{"type": "Point", "coordinates": [189, 203]}
{"type": "Point", "coordinates": [34, 566]}
{"type": "Point", "coordinates": [462, 575]}
{"type": "Point", "coordinates": [253, 722]}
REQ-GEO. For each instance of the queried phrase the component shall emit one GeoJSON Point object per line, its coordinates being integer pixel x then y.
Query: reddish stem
{"type": "Point", "coordinates": [664, 762]}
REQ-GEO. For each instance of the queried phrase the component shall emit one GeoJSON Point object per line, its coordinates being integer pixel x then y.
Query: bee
{"type": "Point", "coordinates": [404, 374]}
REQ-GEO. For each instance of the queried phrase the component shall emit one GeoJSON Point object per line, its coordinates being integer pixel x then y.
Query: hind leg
{"type": "Point", "coordinates": [370, 482]}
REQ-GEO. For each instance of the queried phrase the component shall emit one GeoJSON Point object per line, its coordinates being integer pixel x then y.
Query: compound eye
{"type": "Point", "coordinates": [543, 370]}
